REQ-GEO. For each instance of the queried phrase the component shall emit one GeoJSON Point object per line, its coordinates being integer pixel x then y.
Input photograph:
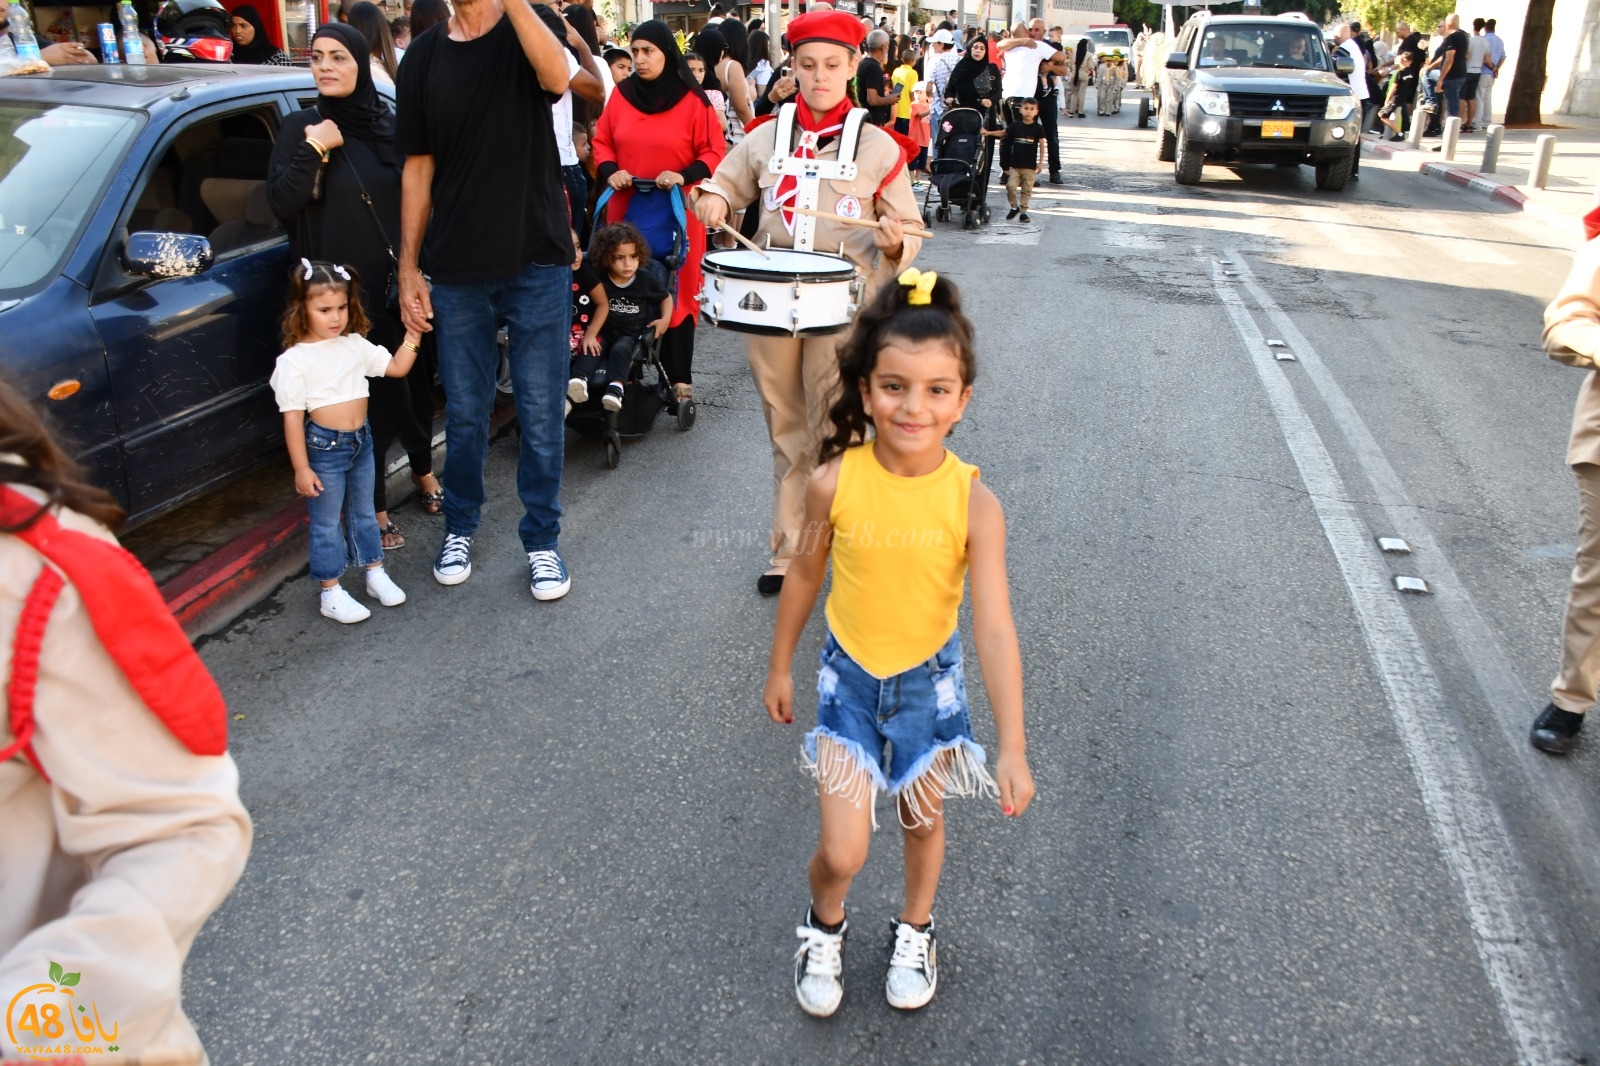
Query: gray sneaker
{"type": "Point", "coordinates": [819, 968]}
{"type": "Point", "coordinates": [913, 966]}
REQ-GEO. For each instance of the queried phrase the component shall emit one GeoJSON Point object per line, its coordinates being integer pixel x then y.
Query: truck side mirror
{"type": "Point", "coordinates": [1178, 61]}
{"type": "Point", "coordinates": [1344, 66]}
{"type": "Point", "coordinates": [166, 255]}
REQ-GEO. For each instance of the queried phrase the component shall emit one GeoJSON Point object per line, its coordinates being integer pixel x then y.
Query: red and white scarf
{"type": "Point", "coordinates": [812, 132]}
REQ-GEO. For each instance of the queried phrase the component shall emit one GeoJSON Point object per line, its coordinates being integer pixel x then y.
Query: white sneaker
{"type": "Point", "coordinates": [577, 390]}
{"type": "Point", "coordinates": [913, 966]}
{"type": "Point", "coordinates": [381, 587]}
{"type": "Point", "coordinates": [340, 606]}
{"type": "Point", "coordinates": [819, 969]}
{"type": "Point", "coordinates": [612, 400]}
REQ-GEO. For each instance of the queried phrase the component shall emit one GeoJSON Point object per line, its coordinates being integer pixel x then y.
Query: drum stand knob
{"type": "Point", "coordinates": [794, 317]}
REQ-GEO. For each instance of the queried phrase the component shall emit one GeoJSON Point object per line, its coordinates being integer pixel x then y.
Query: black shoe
{"type": "Point", "coordinates": [1054, 179]}
{"type": "Point", "coordinates": [1555, 730]}
{"type": "Point", "coordinates": [1024, 217]}
{"type": "Point", "coordinates": [769, 584]}
{"type": "Point", "coordinates": [1396, 137]}
{"type": "Point", "coordinates": [1011, 214]}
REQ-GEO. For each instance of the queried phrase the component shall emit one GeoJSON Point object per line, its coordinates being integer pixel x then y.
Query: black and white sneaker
{"type": "Point", "coordinates": [819, 967]}
{"type": "Point", "coordinates": [547, 575]}
{"type": "Point", "coordinates": [1011, 214]}
{"type": "Point", "coordinates": [913, 965]}
{"type": "Point", "coordinates": [611, 400]}
{"type": "Point", "coordinates": [454, 564]}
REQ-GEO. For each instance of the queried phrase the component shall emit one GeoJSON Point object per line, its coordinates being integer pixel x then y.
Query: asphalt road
{"type": "Point", "coordinates": [1285, 812]}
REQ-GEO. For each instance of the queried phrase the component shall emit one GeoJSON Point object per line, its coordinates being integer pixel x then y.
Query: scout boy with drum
{"type": "Point", "coordinates": [793, 160]}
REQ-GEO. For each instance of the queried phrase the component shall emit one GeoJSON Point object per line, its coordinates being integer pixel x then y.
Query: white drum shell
{"type": "Point", "coordinates": [790, 294]}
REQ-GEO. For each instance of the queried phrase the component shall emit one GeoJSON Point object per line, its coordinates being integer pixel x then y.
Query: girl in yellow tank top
{"type": "Point", "coordinates": [904, 522]}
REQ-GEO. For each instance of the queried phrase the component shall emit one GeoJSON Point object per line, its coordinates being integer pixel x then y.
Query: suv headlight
{"type": "Point", "coordinates": [1340, 107]}
{"type": "Point", "coordinates": [1212, 102]}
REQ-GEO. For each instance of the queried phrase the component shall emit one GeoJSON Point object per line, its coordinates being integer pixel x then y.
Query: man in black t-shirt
{"type": "Point", "coordinates": [483, 206]}
{"type": "Point", "coordinates": [1051, 71]}
{"type": "Point", "coordinates": [871, 82]}
{"type": "Point", "coordinates": [1452, 60]}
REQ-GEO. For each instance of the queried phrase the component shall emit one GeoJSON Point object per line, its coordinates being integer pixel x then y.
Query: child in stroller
{"type": "Point", "coordinates": [638, 305]}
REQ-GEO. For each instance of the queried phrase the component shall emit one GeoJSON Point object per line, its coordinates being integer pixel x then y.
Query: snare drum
{"type": "Point", "coordinates": [789, 294]}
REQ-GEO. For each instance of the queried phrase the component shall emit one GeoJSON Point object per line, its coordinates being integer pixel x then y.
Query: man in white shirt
{"type": "Point", "coordinates": [1019, 80]}
{"type": "Point", "coordinates": [1358, 83]}
{"type": "Point", "coordinates": [1477, 54]}
{"type": "Point", "coordinates": [1493, 62]}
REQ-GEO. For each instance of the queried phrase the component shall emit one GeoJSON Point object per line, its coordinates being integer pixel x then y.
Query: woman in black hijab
{"type": "Point", "coordinates": [250, 41]}
{"type": "Point", "coordinates": [660, 125]}
{"type": "Point", "coordinates": [325, 157]}
{"type": "Point", "coordinates": [974, 82]}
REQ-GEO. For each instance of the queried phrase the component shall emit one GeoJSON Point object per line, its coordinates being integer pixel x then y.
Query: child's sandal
{"type": "Point", "coordinates": [393, 539]}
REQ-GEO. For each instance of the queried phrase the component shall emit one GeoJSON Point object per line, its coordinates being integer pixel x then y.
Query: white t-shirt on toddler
{"type": "Point", "coordinates": [315, 374]}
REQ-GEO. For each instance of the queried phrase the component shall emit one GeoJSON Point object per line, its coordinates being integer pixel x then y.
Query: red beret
{"type": "Point", "coordinates": [836, 27]}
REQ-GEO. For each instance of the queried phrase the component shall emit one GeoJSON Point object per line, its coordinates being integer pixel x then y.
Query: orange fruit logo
{"type": "Point", "coordinates": [45, 1020]}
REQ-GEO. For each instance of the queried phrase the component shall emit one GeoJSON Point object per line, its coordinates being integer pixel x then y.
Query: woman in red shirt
{"type": "Point", "coordinates": [659, 123]}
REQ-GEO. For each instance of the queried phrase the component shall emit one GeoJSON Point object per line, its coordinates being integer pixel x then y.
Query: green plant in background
{"type": "Point", "coordinates": [915, 15]}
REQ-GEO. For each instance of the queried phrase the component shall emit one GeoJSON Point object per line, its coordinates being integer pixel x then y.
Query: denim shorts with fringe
{"type": "Point", "coordinates": [920, 715]}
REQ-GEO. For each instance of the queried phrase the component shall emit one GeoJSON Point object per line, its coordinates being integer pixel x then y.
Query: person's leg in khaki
{"type": "Point", "coordinates": [1573, 691]}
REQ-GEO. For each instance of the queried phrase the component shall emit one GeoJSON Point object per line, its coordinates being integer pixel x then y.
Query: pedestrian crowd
{"type": "Point", "coordinates": [1422, 79]}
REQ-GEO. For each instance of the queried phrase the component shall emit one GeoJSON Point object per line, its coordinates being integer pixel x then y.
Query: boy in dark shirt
{"type": "Point", "coordinates": [637, 302]}
{"type": "Point", "coordinates": [1019, 155]}
{"type": "Point", "coordinates": [1402, 94]}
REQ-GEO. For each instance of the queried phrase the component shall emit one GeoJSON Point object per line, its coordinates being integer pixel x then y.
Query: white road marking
{"type": "Point", "coordinates": [1515, 942]}
{"type": "Point", "coordinates": [1558, 785]}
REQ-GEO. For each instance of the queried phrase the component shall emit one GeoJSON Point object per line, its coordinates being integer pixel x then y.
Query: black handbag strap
{"type": "Point", "coordinates": [383, 234]}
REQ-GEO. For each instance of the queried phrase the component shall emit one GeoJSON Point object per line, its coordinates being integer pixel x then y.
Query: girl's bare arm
{"type": "Point", "coordinates": [995, 634]}
{"type": "Point", "coordinates": [404, 355]}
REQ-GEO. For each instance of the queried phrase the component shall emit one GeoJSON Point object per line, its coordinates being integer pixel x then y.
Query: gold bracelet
{"type": "Point", "coordinates": [317, 147]}
{"type": "Point", "coordinates": [408, 344]}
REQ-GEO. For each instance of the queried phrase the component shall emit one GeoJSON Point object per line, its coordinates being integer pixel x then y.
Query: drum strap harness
{"type": "Point", "coordinates": [794, 157]}
{"type": "Point", "coordinates": [129, 617]}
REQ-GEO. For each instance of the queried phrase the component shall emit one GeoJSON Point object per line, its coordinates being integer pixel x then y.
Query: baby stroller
{"type": "Point", "coordinates": [659, 217]}
{"type": "Point", "coordinates": [960, 169]}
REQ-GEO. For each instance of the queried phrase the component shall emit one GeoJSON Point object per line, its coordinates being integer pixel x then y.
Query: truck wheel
{"type": "Point", "coordinates": [1333, 173]}
{"type": "Point", "coordinates": [1167, 150]}
{"type": "Point", "coordinates": [1188, 162]}
{"type": "Point", "coordinates": [1144, 112]}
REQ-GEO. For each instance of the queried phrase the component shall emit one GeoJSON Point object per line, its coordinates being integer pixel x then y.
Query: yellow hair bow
{"type": "Point", "coordinates": [920, 282]}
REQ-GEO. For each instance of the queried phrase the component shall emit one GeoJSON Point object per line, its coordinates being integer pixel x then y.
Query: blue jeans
{"type": "Point", "coordinates": [342, 461]}
{"type": "Point", "coordinates": [1451, 87]}
{"type": "Point", "coordinates": [536, 306]}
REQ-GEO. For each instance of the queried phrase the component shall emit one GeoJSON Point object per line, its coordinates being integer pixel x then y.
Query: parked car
{"type": "Point", "coordinates": [142, 274]}
{"type": "Point", "coordinates": [1261, 89]}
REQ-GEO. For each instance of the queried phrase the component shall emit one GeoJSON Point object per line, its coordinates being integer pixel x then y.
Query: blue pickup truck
{"type": "Point", "coordinates": [142, 274]}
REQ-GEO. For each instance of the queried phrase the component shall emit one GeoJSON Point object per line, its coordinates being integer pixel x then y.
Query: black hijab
{"type": "Point", "coordinates": [260, 49]}
{"type": "Point", "coordinates": [962, 75]}
{"type": "Point", "coordinates": [362, 114]}
{"type": "Point", "coordinates": [676, 80]}
{"type": "Point", "coordinates": [711, 47]}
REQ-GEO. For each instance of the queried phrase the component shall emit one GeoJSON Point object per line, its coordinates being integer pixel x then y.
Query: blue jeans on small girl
{"type": "Point", "coordinates": [342, 461]}
{"type": "Point", "coordinates": [920, 716]}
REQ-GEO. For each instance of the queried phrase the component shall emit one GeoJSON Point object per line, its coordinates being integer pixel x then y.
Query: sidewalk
{"type": "Point", "coordinates": [1574, 169]}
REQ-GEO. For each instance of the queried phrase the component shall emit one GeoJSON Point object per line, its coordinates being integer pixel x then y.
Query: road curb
{"type": "Point", "coordinates": [1475, 182]}
{"type": "Point", "coordinates": [209, 594]}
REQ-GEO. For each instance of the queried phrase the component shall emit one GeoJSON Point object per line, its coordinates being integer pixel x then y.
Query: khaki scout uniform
{"type": "Point", "coordinates": [1572, 336]}
{"type": "Point", "coordinates": [111, 866]}
{"type": "Point", "coordinates": [798, 378]}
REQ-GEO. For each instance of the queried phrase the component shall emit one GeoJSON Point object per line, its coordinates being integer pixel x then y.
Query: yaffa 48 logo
{"type": "Point", "coordinates": [46, 1020]}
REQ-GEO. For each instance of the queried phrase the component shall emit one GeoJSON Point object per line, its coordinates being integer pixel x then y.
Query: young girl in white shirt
{"type": "Point", "coordinates": [321, 386]}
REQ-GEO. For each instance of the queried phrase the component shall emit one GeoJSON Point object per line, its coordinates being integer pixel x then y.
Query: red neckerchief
{"type": "Point", "coordinates": [813, 132]}
{"type": "Point", "coordinates": [132, 621]}
{"type": "Point", "coordinates": [1591, 224]}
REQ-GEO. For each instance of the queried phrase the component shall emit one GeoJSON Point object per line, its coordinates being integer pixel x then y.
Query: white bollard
{"type": "Point", "coordinates": [1544, 149]}
{"type": "Point", "coordinates": [1491, 148]}
{"type": "Point", "coordinates": [1419, 123]}
{"type": "Point", "coordinates": [1452, 134]}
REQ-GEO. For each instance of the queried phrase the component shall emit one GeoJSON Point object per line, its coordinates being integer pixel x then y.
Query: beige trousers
{"type": "Point", "coordinates": [1074, 103]}
{"type": "Point", "coordinates": [798, 381]}
{"type": "Point", "coordinates": [1574, 688]}
{"type": "Point", "coordinates": [1019, 184]}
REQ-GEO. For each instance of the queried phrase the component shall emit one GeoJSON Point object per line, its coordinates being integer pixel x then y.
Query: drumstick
{"type": "Point", "coordinates": [866, 223]}
{"type": "Point", "coordinates": [742, 239]}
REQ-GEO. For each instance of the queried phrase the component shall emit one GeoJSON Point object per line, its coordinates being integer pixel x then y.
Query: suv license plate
{"type": "Point", "coordinates": [1277, 129]}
